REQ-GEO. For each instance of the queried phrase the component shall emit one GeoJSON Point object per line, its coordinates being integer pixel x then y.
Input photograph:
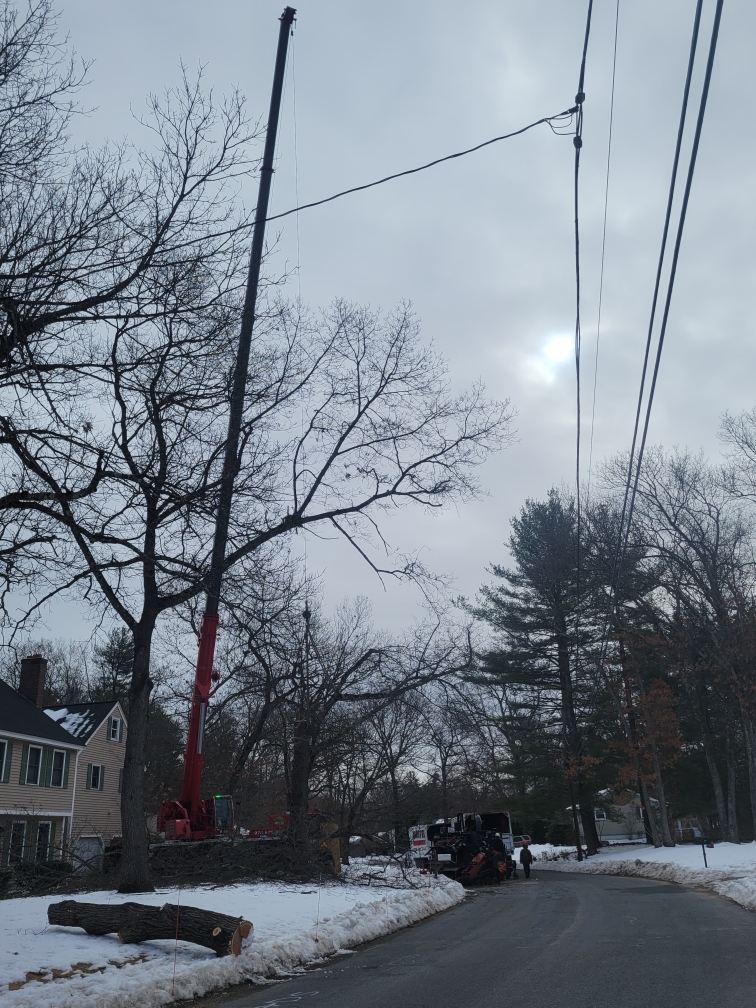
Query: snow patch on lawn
{"type": "Point", "coordinates": [731, 867]}
{"type": "Point", "coordinates": [293, 926]}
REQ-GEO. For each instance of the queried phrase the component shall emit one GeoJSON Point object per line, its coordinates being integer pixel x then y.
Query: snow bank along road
{"type": "Point", "coordinates": [48, 967]}
{"type": "Point", "coordinates": [572, 941]}
{"type": "Point", "coordinates": [731, 867]}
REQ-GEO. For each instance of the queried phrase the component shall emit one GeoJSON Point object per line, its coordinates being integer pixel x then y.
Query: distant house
{"type": "Point", "coordinates": [617, 823]}
{"type": "Point", "coordinates": [101, 729]}
{"type": "Point", "coordinates": [60, 773]}
{"type": "Point", "coordinates": [37, 772]}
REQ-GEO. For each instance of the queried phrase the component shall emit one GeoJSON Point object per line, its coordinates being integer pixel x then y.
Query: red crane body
{"type": "Point", "coordinates": [191, 818]}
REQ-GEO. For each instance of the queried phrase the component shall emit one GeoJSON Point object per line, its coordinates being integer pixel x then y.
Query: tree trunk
{"type": "Point", "coordinates": [711, 762]}
{"type": "Point", "coordinates": [134, 867]}
{"type": "Point", "coordinates": [135, 923]}
{"type": "Point", "coordinates": [649, 819]}
{"type": "Point", "coordinates": [401, 837]}
{"type": "Point", "coordinates": [631, 730]}
{"type": "Point", "coordinates": [444, 788]}
{"type": "Point", "coordinates": [251, 741]}
{"type": "Point", "coordinates": [298, 797]}
{"type": "Point", "coordinates": [572, 739]}
{"type": "Point", "coordinates": [344, 840]}
{"type": "Point", "coordinates": [660, 796]}
{"type": "Point", "coordinates": [588, 819]}
{"type": "Point", "coordinates": [748, 731]}
{"type": "Point", "coordinates": [732, 813]}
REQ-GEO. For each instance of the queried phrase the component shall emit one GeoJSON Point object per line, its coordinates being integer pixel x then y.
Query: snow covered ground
{"type": "Point", "coordinates": [731, 867]}
{"type": "Point", "coordinates": [44, 966]}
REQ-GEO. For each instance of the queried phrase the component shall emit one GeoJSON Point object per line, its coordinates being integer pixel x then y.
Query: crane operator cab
{"type": "Point", "coordinates": [214, 818]}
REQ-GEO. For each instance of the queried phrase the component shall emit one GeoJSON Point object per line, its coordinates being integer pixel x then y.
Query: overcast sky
{"type": "Point", "coordinates": [482, 246]}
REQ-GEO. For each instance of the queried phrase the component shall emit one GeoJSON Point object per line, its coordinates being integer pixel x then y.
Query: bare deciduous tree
{"type": "Point", "coordinates": [346, 416]}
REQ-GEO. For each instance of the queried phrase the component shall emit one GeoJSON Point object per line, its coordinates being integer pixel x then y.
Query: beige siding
{"type": "Point", "coordinates": [29, 798]}
{"type": "Point", "coordinates": [98, 812]}
{"type": "Point", "coordinates": [32, 805]}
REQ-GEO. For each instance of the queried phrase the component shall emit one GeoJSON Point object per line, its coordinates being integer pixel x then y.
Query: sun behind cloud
{"type": "Point", "coordinates": [559, 348]}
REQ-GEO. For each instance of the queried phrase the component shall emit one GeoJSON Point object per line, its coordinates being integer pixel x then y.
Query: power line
{"type": "Point", "coordinates": [603, 247]}
{"type": "Point", "coordinates": [562, 120]}
{"type": "Point", "coordinates": [678, 241]}
{"type": "Point", "coordinates": [634, 465]}
{"type": "Point", "coordinates": [660, 263]}
{"type": "Point", "coordinates": [577, 141]}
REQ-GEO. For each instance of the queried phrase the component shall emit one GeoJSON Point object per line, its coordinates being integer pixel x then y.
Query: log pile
{"type": "Point", "coordinates": [136, 922]}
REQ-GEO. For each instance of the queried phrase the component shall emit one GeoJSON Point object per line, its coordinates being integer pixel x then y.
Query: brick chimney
{"type": "Point", "coordinates": [33, 673]}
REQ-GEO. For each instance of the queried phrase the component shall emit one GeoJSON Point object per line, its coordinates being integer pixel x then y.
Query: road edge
{"type": "Point", "coordinates": [733, 883]}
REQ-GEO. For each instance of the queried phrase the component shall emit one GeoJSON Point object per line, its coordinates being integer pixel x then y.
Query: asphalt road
{"type": "Point", "coordinates": [586, 941]}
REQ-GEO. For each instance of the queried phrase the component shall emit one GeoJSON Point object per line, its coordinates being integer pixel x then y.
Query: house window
{"type": "Point", "coordinates": [33, 764]}
{"type": "Point", "coordinates": [18, 834]}
{"type": "Point", "coordinates": [115, 729]}
{"type": "Point", "coordinates": [599, 813]}
{"type": "Point", "coordinates": [95, 776]}
{"type": "Point", "coordinates": [58, 765]}
{"type": "Point", "coordinates": [44, 833]}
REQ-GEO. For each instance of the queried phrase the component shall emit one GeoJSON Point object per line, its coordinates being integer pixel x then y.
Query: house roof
{"type": "Point", "coordinates": [82, 719]}
{"type": "Point", "coordinates": [19, 716]}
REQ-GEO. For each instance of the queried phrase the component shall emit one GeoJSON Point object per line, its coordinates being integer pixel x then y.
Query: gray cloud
{"type": "Point", "coordinates": [482, 246]}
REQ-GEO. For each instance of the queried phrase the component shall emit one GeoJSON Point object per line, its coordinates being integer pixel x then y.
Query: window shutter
{"type": "Point", "coordinates": [8, 761]}
{"type": "Point", "coordinates": [89, 776]}
{"type": "Point", "coordinates": [102, 778]}
{"type": "Point", "coordinates": [65, 769]}
{"type": "Point", "coordinates": [46, 770]}
{"type": "Point", "coordinates": [120, 729]}
{"type": "Point", "coordinates": [24, 761]}
{"type": "Point", "coordinates": [110, 728]}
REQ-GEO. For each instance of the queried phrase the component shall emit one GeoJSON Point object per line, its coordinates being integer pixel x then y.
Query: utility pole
{"type": "Point", "coordinates": [189, 795]}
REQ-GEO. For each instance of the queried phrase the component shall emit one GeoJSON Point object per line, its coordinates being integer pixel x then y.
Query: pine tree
{"type": "Point", "coordinates": [114, 661]}
{"type": "Point", "coordinates": [537, 612]}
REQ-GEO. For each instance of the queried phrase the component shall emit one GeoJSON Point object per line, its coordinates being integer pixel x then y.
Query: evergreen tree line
{"type": "Point", "coordinates": [631, 671]}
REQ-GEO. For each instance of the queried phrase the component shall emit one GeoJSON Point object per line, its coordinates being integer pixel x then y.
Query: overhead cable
{"type": "Point", "coordinates": [578, 144]}
{"type": "Point", "coordinates": [603, 249]}
{"type": "Point", "coordinates": [561, 120]}
{"type": "Point", "coordinates": [635, 464]}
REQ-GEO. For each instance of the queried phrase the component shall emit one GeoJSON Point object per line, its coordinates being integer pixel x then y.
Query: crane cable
{"type": "Point", "coordinates": [634, 466]}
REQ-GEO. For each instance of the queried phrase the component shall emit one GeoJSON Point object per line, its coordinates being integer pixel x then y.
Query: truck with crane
{"type": "Point", "coordinates": [459, 846]}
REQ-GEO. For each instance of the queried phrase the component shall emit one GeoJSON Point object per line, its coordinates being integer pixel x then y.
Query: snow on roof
{"type": "Point", "coordinates": [78, 723]}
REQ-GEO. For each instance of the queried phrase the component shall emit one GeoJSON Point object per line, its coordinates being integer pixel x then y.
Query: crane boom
{"type": "Point", "coordinates": [189, 817]}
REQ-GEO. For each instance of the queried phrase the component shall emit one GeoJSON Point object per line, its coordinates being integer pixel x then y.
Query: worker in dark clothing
{"type": "Point", "coordinates": [496, 842]}
{"type": "Point", "coordinates": [526, 859]}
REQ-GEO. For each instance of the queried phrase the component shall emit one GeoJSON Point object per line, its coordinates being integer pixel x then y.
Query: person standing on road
{"type": "Point", "coordinates": [526, 859]}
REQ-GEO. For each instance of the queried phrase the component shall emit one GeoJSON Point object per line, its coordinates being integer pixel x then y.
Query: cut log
{"type": "Point", "coordinates": [136, 922]}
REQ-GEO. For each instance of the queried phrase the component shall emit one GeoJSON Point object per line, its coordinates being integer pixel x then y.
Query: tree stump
{"type": "Point", "coordinates": [136, 922]}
